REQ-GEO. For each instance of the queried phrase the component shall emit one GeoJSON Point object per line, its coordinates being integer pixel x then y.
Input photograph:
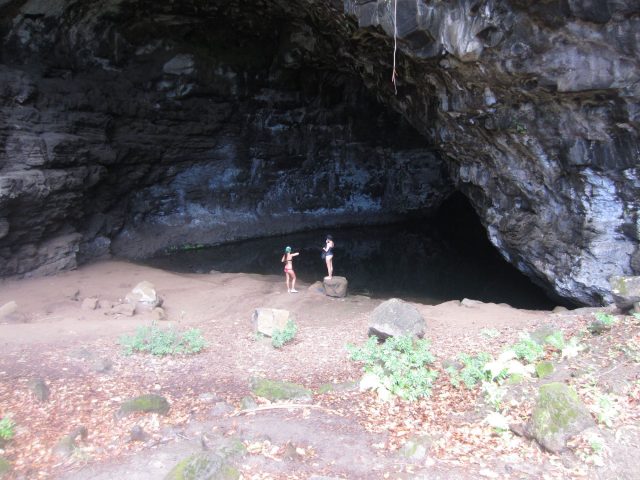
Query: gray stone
{"type": "Point", "coordinates": [626, 291]}
{"type": "Point", "coordinates": [66, 446]}
{"type": "Point", "coordinates": [159, 314]}
{"type": "Point", "coordinates": [396, 318]}
{"type": "Point", "coordinates": [278, 390]}
{"type": "Point", "coordinates": [335, 287]}
{"type": "Point", "coordinates": [102, 365]}
{"type": "Point", "coordinates": [144, 296]}
{"type": "Point", "coordinates": [557, 416]}
{"type": "Point", "coordinates": [40, 389]}
{"type": "Point", "coordinates": [203, 466]}
{"type": "Point", "coordinates": [148, 403]}
{"type": "Point", "coordinates": [8, 311]}
{"type": "Point", "coordinates": [90, 303]}
{"type": "Point", "coordinates": [126, 309]}
{"type": "Point", "coordinates": [266, 320]}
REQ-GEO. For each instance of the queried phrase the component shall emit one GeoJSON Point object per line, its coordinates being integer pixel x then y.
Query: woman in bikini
{"type": "Point", "coordinates": [287, 259]}
{"type": "Point", "coordinates": [328, 255]}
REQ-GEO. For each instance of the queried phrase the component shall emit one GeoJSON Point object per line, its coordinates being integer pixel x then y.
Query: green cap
{"type": "Point", "coordinates": [288, 249]}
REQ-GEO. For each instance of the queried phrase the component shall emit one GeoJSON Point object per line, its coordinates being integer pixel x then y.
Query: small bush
{"type": "Point", "coordinates": [280, 337]}
{"type": "Point", "coordinates": [527, 349]}
{"type": "Point", "coordinates": [7, 429]}
{"type": "Point", "coordinates": [159, 342]}
{"type": "Point", "coordinates": [473, 370]}
{"type": "Point", "coordinates": [400, 364]}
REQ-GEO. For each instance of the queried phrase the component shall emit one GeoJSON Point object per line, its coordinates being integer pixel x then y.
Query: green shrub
{"type": "Point", "coordinates": [157, 341]}
{"type": "Point", "coordinates": [7, 428]}
{"type": "Point", "coordinates": [473, 370]}
{"type": "Point", "coordinates": [529, 350]}
{"type": "Point", "coordinates": [556, 340]}
{"type": "Point", "coordinates": [399, 363]}
{"type": "Point", "coordinates": [280, 337]}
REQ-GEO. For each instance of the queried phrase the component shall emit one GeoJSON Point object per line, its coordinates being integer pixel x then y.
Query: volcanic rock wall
{"type": "Point", "coordinates": [130, 125]}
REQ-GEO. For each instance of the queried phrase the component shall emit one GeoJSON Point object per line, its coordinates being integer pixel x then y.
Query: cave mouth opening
{"type": "Point", "coordinates": [428, 260]}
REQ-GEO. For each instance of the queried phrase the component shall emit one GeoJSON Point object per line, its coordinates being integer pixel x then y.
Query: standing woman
{"type": "Point", "coordinates": [287, 259]}
{"type": "Point", "coordinates": [328, 255]}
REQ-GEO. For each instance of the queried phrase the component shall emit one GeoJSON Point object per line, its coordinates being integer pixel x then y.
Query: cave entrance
{"type": "Point", "coordinates": [427, 260]}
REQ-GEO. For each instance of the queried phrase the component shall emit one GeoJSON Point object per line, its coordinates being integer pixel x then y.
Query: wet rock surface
{"type": "Point", "coordinates": [130, 127]}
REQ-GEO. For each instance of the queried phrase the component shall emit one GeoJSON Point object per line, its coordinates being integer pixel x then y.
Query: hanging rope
{"type": "Point", "coordinates": [394, 74]}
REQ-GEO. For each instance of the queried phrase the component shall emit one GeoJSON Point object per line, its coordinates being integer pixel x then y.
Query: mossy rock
{"type": "Point", "coordinates": [515, 379]}
{"type": "Point", "coordinates": [557, 416]}
{"type": "Point", "coordinates": [203, 466]}
{"type": "Point", "coordinates": [149, 403]}
{"type": "Point", "coordinates": [416, 447]}
{"type": "Point", "coordinates": [544, 369]}
{"type": "Point", "coordinates": [598, 327]}
{"type": "Point", "coordinates": [277, 390]}
{"type": "Point", "coordinates": [5, 467]}
{"type": "Point", "coordinates": [540, 334]}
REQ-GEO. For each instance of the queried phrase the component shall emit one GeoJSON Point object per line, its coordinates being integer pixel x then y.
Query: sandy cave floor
{"type": "Point", "coordinates": [343, 433]}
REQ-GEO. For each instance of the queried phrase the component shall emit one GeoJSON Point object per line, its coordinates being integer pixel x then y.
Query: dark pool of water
{"type": "Point", "coordinates": [418, 261]}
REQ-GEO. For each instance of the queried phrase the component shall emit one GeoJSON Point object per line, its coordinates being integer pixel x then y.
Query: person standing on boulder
{"type": "Point", "coordinates": [328, 255]}
{"type": "Point", "coordinates": [289, 274]}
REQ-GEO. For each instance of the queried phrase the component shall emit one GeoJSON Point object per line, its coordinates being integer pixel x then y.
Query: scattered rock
{"type": "Point", "coordinates": [126, 309]}
{"type": "Point", "coordinates": [467, 302]}
{"type": "Point", "coordinates": [266, 320]}
{"type": "Point", "coordinates": [395, 318]}
{"type": "Point", "coordinates": [144, 295]}
{"type": "Point", "coordinates": [8, 311]}
{"type": "Point", "coordinates": [138, 434]}
{"type": "Point", "coordinates": [416, 447]}
{"type": "Point", "coordinates": [105, 304]}
{"type": "Point", "coordinates": [203, 466]}
{"type": "Point", "coordinates": [626, 291]}
{"type": "Point", "coordinates": [335, 287]}
{"type": "Point", "coordinates": [220, 409]}
{"type": "Point", "coordinates": [39, 389]}
{"type": "Point", "coordinates": [598, 327]}
{"type": "Point", "coordinates": [277, 390]}
{"type": "Point", "coordinates": [557, 416]}
{"type": "Point", "coordinates": [158, 314]}
{"type": "Point", "coordinates": [149, 403]}
{"type": "Point", "coordinates": [90, 303]}
{"type": "Point", "coordinates": [66, 446]}
{"type": "Point", "coordinates": [544, 369]}
{"type": "Point", "coordinates": [102, 365]}
{"type": "Point", "coordinates": [248, 403]}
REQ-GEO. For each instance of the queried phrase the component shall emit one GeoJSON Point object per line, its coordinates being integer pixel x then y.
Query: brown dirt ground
{"type": "Point", "coordinates": [343, 433]}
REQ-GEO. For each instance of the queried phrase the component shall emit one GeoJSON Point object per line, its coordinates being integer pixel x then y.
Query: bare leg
{"type": "Point", "coordinates": [286, 276]}
{"type": "Point", "coordinates": [293, 283]}
{"type": "Point", "coordinates": [330, 266]}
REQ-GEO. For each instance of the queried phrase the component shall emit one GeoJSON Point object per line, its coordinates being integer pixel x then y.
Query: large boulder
{"type": "Point", "coordinates": [626, 291]}
{"type": "Point", "coordinates": [203, 466]}
{"type": "Point", "coordinates": [396, 318]}
{"type": "Point", "coordinates": [335, 287]}
{"type": "Point", "coordinates": [266, 320]}
{"type": "Point", "coordinates": [558, 415]}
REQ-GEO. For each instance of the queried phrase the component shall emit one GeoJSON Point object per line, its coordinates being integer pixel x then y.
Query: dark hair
{"type": "Point", "coordinates": [329, 237]}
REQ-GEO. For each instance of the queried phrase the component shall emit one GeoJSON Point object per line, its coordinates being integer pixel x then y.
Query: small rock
{"type": "Point", "coordinates": [335, 287]}
{"type": "Point", "coordinates": [544, 369]}
{"type": "Point", "coordinates": [560, 309]}
{"type": "Point", "coordinates": [203, 466]}
{"type": "Point", "coordinates": [40, 389]}
{"type": "Point", "coordinates": [126, 309]}
{"type": "Point", "coordinates": [208, 397]}
{"type": "Point", "coordinates": [8, 310]}
{"type": "Point", "coordinates": [277, 390]}
{"type": "Point", "coordinates": [102, 365]}
{"type": "Point", "coordinates": [138, 434]}
{"type": "Point", "coordinates": [248, 403]}
{"type": "Point", "coordinates": [90, 303]}
{"type": "Point", "coordinates": [396, 318]}
{"type": "Point", "coordinates": [158, 314]}
{"type": "Point", "coordinates": [598, 327]}
{"type": "Point", "coordinates": [105, 304]}
{"type": "Point", "coordinates": [144, 295]}
{"type": "Point", "coordinates": [416, 447]}
{"type": "Point", "coordinates": [72, 294]}
{"type": "Point", "coordinates": [149, 403]}
{"type": "Point", "coordinates": [266, 320]}
{"type": "Point", "coordinates": [626, 291]}
{"type": "Point", "coordinates": [66, 446]}
{"type": "Point", "coordinates": [220, 409]}
{"type": "Point", "coordinates": [467, 302]}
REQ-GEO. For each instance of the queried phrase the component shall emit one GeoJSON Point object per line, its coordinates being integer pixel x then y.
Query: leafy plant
{"type": "Point", "coordinates": [528, 349]}
{"type": "Point", "coordinates": [7, 428]}
{"type": "Point", "coordinates": [556, 340]}
{"type": "Point", "coordinates": [493, 394]}
{"type": "Point", "coordinates": [159, 342]}
{"type": "Point", "coordinates": [605, 318]}
{"type": "Point", "coordinates": [280, 337]}
{"type": "Point", "coordinates": [400, 364]}
{"type": "Point", "coordinates": [473, 370]}
{"type": "Point", "coordinates": [606, 409]}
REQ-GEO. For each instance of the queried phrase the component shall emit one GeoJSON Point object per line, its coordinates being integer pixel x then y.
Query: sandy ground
{"type": "Point", "coordinates": [45, 337]}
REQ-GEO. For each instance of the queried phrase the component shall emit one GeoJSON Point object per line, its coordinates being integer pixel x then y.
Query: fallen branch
{"type": "Point", "coordinates": [283, 406]}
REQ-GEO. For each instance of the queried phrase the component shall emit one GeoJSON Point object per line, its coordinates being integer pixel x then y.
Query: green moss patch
{"type": "Point", "coordinates": [149, 403]}
{"type": "Point", "coordinates": [544, 369]}
{"type": "Point", "coordinates": [203, 466]}
{"type": "Point", "coordinates": [276, 390]}
{"type": "Point", "coordinates": [5, 467]}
